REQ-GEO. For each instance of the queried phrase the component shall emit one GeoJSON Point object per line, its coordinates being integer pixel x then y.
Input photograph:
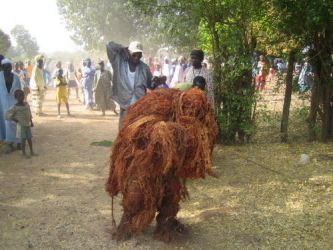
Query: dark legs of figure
{"type": "Point", "coordinates": [167, 225]}
{"type": "Point", "coordinates": [131, 221]}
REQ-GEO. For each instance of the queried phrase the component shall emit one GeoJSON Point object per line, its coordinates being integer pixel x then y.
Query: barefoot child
{"type": "Point", "coordinates": [61, 91]}
{"type": "Point", "coordinates": [21, 114]}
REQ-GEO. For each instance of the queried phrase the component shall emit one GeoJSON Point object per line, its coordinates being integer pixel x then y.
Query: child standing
{"type": "Point", "coordinates": [21, 114]}
{"type": "Point", "coordinates": [61, 91]}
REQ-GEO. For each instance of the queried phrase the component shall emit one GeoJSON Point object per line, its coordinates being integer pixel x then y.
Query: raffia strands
{"type": "Point", "coordinates": [195, 114]}
{"type": "Point", "coordinates": [157, 103]}
{"type": "Point", "coordinates": [165, 136]}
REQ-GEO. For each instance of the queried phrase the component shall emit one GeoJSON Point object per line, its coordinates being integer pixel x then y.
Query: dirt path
{"type": "Point", "coordinates": [57, 200]}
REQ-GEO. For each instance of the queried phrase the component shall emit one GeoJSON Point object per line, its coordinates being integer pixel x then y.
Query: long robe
{"type": "Point", "coordinates": [37, 84]}
{"type": "Point", "coordinates": [87, 84]}
{"type": "Point", "coordinates": [102, 89]}
{"type": "Point", "coordinates": [2, 125]}
{"type": "Point", "coordinates": [8, 128]}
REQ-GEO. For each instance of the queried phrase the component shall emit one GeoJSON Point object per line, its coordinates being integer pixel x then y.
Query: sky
{"type": "Point", "coordinates": [41, 19]}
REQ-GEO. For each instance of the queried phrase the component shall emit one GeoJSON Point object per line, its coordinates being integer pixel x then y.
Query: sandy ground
{"type": "Point", "coordinates": [57, 200]}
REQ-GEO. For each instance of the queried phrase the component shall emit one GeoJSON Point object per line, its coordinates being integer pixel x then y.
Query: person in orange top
{"type": "Point", "coordinates": [28, 71]}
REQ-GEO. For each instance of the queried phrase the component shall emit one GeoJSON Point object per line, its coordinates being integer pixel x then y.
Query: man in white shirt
{"type": "Point", "coordinates": [196, 69]}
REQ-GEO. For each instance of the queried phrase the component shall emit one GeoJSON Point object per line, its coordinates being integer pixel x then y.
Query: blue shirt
{"type": "Point", "coordinates": [87, 77]}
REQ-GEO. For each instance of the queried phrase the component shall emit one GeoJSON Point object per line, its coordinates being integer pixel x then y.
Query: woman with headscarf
{"type": "Point", "coordinates": [37, 84]}
{"type": "Point", "coordinates": [9, 83]}
{"type": "Point", "coordinates": [102, 89]}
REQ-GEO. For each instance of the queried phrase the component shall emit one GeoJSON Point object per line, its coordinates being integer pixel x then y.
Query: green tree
{"type": "Point", "coordinates": [310, 25]}
{"type": "Point", "coordinates": [229, 31]}
{"type": "Point", "coordinates": [4, 42]}
{"type": "Point", "coordinates": [280, 35]}
{"type": "Point", "coordinates": [224, 29]}
{"type": "Point", "coordinates": [94, 23]}
{"type": "Point", "coordinates": [26, 45]}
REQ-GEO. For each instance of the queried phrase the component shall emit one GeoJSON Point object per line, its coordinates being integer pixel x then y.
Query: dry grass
{"type": "Point", "coordinates": [264, 199]}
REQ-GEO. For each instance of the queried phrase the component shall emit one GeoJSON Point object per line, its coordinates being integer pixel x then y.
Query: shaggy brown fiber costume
{"type": "Point", "coordinates": [166, 137]}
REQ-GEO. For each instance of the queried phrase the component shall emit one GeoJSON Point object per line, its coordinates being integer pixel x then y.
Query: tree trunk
{"type": "Point", "coordinates": [217, 61]}
{"type": "Point", "coordinates": [287, 97]}
{"type": "Point", "coordinates": [326, 95]}
{"type": "Point", "coordinates": [330, 127]}
{"type": "Point", "coordinates": [326, 82]}
{"type": "Point", "coordinates": [313, 110]}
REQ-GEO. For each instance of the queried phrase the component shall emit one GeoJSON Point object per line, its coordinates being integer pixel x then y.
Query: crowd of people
{"type": "Point", "coordinates": [266, 69]}
{"type": "Point", "coordinates": [98, 87]}
{"type": "Point", "coordinates": [19, 79]}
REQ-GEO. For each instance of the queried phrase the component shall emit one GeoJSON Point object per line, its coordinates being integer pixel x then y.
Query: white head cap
{"type": "Point", "coordinates": [135, 47]}
{"type": "Point", "coordinates": [6, 61]}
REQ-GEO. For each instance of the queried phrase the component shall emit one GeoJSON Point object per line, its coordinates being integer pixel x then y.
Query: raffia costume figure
{"type": "Point", "coordinates": [166, 137]}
